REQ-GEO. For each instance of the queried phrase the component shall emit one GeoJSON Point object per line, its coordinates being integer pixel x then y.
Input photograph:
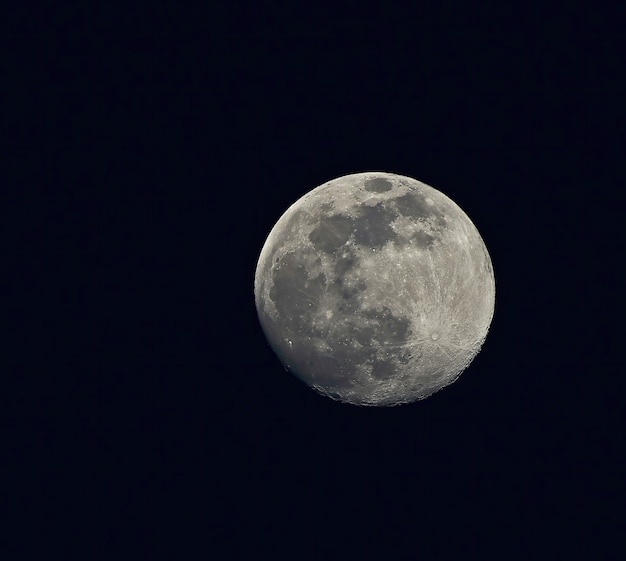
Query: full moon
{"type": "Point", "coordinates": [375, 289]}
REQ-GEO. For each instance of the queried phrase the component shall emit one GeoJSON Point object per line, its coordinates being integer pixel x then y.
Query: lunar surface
{"type": "Point", "coordinates": [375, 289]}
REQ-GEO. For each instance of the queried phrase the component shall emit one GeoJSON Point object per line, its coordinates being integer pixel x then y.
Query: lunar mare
{"type": "Point", "coordinates": [375, 289]}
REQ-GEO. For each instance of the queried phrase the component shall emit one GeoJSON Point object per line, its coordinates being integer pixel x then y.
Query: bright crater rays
{"type": "Point", "coordinates": [375, 289]}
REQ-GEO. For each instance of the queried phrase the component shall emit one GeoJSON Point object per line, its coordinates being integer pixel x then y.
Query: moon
{"type": "Point", "coordinates": [375, 289]}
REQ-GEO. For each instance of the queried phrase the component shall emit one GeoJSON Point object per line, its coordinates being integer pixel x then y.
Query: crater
{"type": "Point", "coordinates": [294, 222]}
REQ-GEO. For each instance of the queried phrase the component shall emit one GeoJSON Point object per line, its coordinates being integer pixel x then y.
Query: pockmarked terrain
{"type": "Point", "coordinates": [375, 289]}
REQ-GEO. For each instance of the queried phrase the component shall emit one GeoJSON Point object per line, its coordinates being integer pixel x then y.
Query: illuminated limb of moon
{"type": "Point", "coordinates": [375, 289]}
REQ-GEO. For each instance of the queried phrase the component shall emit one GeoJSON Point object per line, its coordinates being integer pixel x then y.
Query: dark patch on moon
{"type": "Point", "coordinates": [391, 330]}
{"type": "Point", "coordinates": [331, 233]}
{"type": "Point", "coordinates": [329, 371]}
{"type": "Point", "coordinates": [413, 205]}
{"type": "Point", "coordinates": [349, 293]}
{"type": "Point", "coordinates": [345, 297]}
{"type": "Point", "coordinates": [334, 371]}
{"type": "Point", "coordinates": [373, 226]}
{"type": "Point", "coordinates": [363, 334]}
{"type": "Point", "coordinates": [383, 370]}
{"type": "Point", "coordinates": [345, 263]}
{"type": "Point", "coordinates": [293, 290]}
{"type": "Point", "coordinates": [404, 356]}
{"type": "Point", "coordinates": [378, 185]}
{"type": "Point", "coordinates": [423, 240]}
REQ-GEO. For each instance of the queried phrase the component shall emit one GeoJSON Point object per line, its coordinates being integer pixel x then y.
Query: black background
{"type": "Point", "coordinates": [151, 152]}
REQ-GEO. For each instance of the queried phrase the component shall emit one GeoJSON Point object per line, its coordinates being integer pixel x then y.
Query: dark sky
{"type": "Point", "coordinates": [153, 153]}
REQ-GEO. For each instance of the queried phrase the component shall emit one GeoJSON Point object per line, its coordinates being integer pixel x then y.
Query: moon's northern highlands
{"type": "Point", "coordinates": [375, 289]}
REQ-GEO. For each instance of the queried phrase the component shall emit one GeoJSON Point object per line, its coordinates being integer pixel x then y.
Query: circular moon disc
{"type": "Point", "coordinates": [375, 289]}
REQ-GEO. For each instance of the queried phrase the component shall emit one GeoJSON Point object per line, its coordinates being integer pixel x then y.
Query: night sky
{"type": "Point", "coordinates": [154, 152]}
